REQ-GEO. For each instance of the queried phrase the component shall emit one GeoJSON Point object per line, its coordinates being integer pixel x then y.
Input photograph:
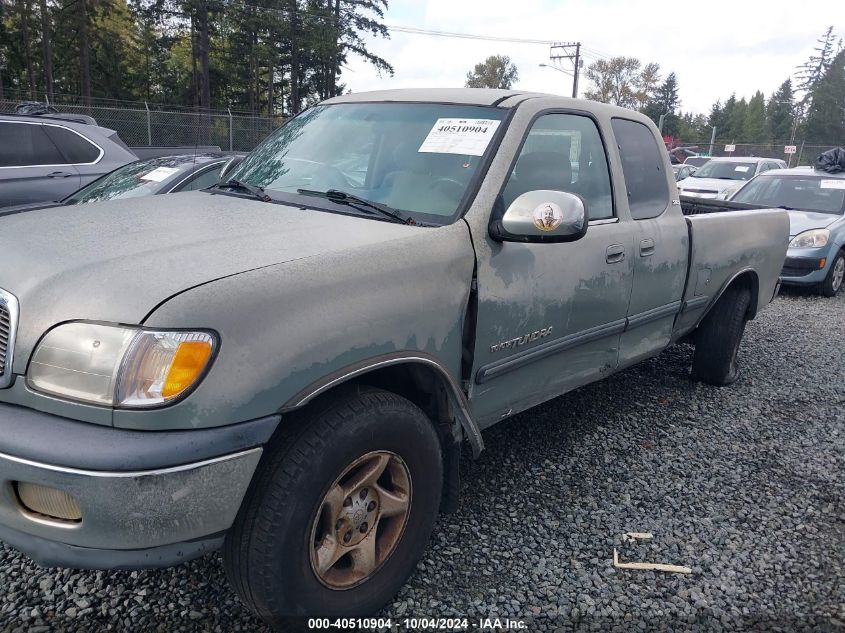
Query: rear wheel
{"type": "Point", "coordinates": [718, 337]}
{"type": "Point", "coordinates": [835, 276]}
{"type": "Point", "coordinates": [340, 511]}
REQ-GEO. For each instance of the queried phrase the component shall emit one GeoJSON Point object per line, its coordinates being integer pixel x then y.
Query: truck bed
{"type": "Point", "coordinates": [757, 246]}
{"type": "Point", "coordinates": [693, 205]}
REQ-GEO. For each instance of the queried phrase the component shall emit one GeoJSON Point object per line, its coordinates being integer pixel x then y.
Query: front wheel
{"type": "Point", "coordinates": [718, 337]}
{"type": "Point", "coordinates": [340, 511]}
{"type": "Point", "coordinates": [835, 276]}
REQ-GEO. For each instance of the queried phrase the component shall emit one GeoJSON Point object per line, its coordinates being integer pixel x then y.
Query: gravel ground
{"type": "Point", "coordinates": [744, 484]}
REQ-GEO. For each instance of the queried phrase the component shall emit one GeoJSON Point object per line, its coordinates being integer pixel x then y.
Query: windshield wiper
{"type": "Point", "coordinates": [257, 192]}
{"type": "Point", "coordinates": [341, 197]}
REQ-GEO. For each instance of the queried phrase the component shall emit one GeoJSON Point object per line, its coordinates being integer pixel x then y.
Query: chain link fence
{"type": "Point", "coordinates": [804, 154]}
{"type": "Point", "coordinates": [142, 124]}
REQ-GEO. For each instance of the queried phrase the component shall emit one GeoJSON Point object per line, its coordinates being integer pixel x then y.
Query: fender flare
{"type": "Point", "coordinates": [457, 398]}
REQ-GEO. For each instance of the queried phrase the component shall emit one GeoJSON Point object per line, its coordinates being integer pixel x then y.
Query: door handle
{"type": "Point", "coordinates": [647, 247]}
{"type": "Point", "coordinates": [615, 253]}
{"type": "Point", "coordinates": [59, 174]}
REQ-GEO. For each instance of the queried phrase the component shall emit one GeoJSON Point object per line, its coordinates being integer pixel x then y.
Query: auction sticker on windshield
{"type": "Point", "coordinates": [832, 184]}
{"type": "Point", "coordinates": [459, 136]}
{"type": "Point", "coordinates": [159, 174]}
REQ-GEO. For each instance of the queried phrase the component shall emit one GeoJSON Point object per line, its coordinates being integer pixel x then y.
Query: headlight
{"type": "Point", "coordinates": [119, 366]}
{"type": "Point", "coordinates": [727, 193]}
{"type": "Point", "coordinates": [814, 238]}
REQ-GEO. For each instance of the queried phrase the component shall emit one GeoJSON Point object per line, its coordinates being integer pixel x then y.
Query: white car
{"type": "Point", "coordinates": [719, 174]}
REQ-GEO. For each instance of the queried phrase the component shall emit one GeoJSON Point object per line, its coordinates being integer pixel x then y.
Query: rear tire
{"type": "Point", "coordinates": [834, 280]}
{"type": "Point", "coordinates": [302, 510]}
{"type": "Point", "coordinates": [718, 337]}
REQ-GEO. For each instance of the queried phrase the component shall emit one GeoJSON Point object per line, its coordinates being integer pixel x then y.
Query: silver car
{"type": "Point", "coordinates": [719, 174]}
{"type": "Point", "coordinates": [48, 157]}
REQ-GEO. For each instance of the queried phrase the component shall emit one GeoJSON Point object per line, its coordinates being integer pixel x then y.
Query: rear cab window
{"type": "Point", "coordinates": [642, 168]}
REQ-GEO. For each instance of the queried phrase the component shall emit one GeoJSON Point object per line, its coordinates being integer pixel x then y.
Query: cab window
{"type": "Point", "coordinates": [643, 169]}
{"type": "Point", "coordinates": [564, 152]}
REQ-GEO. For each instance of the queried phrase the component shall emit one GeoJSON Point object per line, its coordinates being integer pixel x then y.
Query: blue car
{"type": "Point", "coordinates": [816, 204]}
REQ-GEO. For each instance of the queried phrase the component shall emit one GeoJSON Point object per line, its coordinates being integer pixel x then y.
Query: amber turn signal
{"type": "Point", "coordinates": [188, 363]}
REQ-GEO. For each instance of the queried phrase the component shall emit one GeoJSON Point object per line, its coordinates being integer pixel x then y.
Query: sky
{"type": "Point", "coordinates": [715, 47]}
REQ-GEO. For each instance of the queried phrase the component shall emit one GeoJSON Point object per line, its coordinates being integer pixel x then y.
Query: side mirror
{"type": "Point", "coordinates": [542, 216]}
{"type": "Point", "coordinates": [229, 165]}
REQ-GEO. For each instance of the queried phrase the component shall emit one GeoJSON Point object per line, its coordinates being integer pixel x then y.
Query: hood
{"type": "Point", "coordinates": [116, 261]}
{"type": "Point", "coordinates": [800, 221]}
{"type": "Point", "coordinates": [710, 184]}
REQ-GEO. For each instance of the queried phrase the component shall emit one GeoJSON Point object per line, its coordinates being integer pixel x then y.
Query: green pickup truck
{"type": "Point", "coordinates": [286, 366]}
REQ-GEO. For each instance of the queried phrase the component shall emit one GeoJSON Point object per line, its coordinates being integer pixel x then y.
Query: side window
{"type": "Point", "coordinates": [75, 149]}
{"type": "Point", "coordinates": [564, 152]}
{"type": "Point", "coordinates": [26, 144]}
{"type": "Point", "coordinates": [202, 180]}
{"type": "Point", "coordinates": [642, 167]}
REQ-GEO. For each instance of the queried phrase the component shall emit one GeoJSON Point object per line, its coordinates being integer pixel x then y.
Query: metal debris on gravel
{"type": "Point", "coordinates": [744, 484]}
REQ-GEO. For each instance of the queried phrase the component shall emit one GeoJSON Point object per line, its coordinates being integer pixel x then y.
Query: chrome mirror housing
{"type": "Point", "coordinates": [542, 216]}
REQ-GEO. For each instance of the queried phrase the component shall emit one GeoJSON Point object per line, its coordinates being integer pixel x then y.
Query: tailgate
{"type": "Point", "coordinates": [722, 245]}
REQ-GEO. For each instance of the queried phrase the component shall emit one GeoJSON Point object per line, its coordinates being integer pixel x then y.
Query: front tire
{"type": "Point", "coordinates": [718, 337]}
{"type": "Point", "coordinates": [340, 510]}
{"type": "Point", "coordinates": [835, 276]}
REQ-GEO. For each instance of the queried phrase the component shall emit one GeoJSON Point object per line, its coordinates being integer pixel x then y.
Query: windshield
{"type": "Point", "coordinates": [141, 178]}
{"type": "Point", "coordinates": [414, 157]}
{"type": "Point", "coordinates": [696, 161]}
{"type": "Point", "coordinates": [726, 170]}
{"type": "Point", "coordinates": [808, 193]}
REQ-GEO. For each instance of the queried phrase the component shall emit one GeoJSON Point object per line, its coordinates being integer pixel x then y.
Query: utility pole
{"type": "Point", "coordinates": [571, 51]}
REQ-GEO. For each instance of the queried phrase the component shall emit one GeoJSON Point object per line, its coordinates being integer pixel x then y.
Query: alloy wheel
{"type": "Point", "coordinates": [360, 520]}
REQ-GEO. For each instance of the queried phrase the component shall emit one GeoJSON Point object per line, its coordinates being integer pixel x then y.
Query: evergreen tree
{"type": "Point", "coordinates": [717, 118]}
{"type": "Point", "coordinates": [734, 115]}
{"type": "Point", "coordinates": [206, 53]}
{"type": "Point", "coordinates": [754, 125]}
{"type": "Point", "coordinates": [811, 71]}
{"type": "Point", "coordinates": [665, 102]}
{"type": "Point", "coordinates": [780, 114]}
{"type": "Point", "coordinates": [826, 115]}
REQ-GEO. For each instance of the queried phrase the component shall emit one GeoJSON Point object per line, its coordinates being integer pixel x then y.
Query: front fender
{"type": "Point", "coordinates": [285, 327]}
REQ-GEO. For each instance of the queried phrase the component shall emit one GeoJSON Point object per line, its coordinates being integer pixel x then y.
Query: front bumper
{"type": "Point", "coordinates": [138, 510]}
{"type": "Point", "coordinates": [700, 194]}
{"type": "Point", "coordinates": [805, 270]}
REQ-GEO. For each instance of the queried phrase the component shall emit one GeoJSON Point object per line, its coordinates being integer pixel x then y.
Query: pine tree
{"type": "Point", "coordinates": [665, 102]}
{"type": "Point", "coordinates": [811, 71]}
{"type": "Point", "coordinates": [826, 116]}
{"type": "Point", "coordinates": [735, 114]}
{"type": "Point", "coordinates": [717, 118]}
{"type": "Point", "coordinates": [780, 114]}
{"type": "Point", "coordinates": [754, 128]}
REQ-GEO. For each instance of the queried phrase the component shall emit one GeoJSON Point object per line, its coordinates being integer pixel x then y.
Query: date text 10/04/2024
{"type": "Point", "coordinates": [415, 624]}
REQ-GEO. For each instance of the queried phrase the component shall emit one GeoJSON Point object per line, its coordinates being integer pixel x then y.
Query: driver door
{"type": "Point", "coordinates": [550, 315]}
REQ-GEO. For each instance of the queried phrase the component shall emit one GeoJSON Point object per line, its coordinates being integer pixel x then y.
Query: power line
{"type": "Point", "coordinates": [571, 51]}
{"type": "Point", "coordinates": [491, 38]}
{"type": "Point", "coordinates": [411, 30]}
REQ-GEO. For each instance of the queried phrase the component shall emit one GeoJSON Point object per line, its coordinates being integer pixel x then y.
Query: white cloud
{"type": "Point", "coordinates": [715, 47]}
